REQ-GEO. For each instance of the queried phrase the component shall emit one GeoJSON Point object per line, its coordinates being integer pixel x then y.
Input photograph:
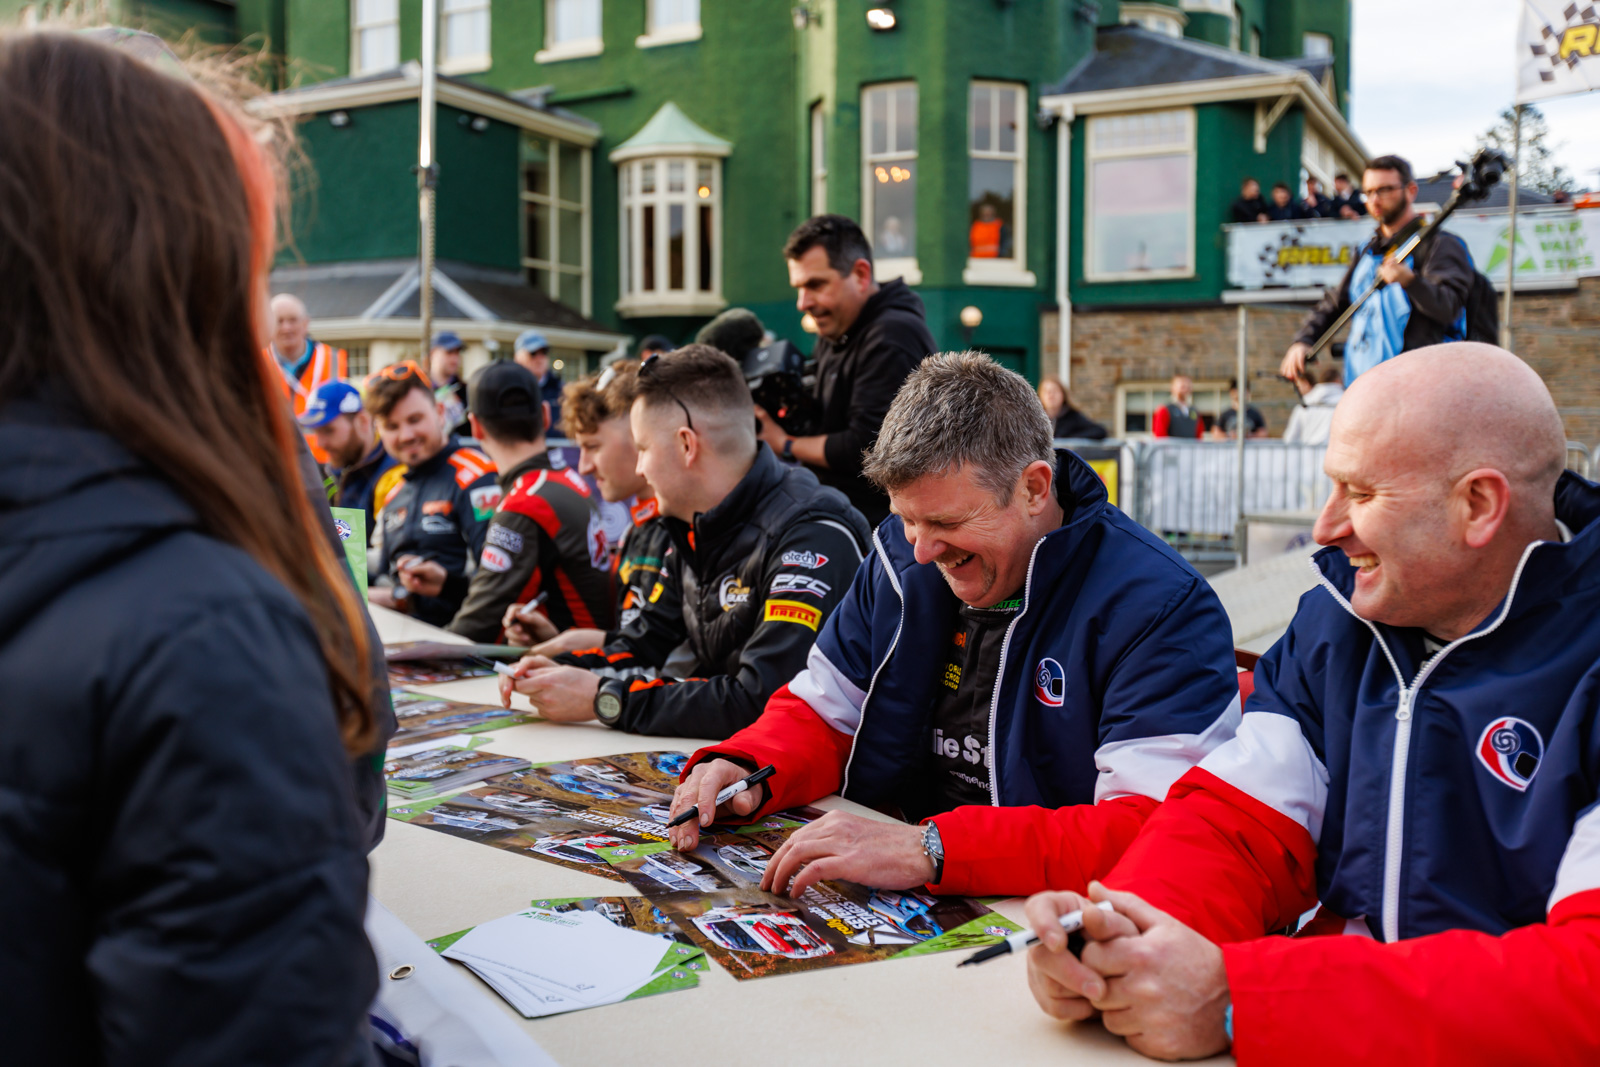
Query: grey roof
{"type": "Point", "coordinates": [1436, 189]}
{"type": "Point", "coordinates": [1126, 57]}
{"type": "Point", "coordinates": [387, 289]}
{"type": "Point", "coordinates": [533, 100]}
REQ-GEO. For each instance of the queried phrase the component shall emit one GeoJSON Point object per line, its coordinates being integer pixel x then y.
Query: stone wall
{"type": "Point", "coordinates": [1558, 332]}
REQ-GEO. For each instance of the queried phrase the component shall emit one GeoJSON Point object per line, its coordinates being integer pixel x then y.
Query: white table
{"type": "Point", "coordinates": [915, 1011]}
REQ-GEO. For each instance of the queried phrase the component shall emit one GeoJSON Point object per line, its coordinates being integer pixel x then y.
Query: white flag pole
{"type": "Point", "coordinates": [1511, 231]}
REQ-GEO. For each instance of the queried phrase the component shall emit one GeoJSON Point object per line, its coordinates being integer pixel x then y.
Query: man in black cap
{"type": "Point", "coordinates": [545, 536]}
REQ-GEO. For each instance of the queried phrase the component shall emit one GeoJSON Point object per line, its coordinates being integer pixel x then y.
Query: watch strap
{"type": "Point", "coordinates": [933, 848]}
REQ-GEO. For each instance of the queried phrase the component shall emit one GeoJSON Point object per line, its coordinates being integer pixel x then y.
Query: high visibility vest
{"type": "Point", "coordinates": [325, 365]}
{"type": "Point", "coordinates": [984, 239]}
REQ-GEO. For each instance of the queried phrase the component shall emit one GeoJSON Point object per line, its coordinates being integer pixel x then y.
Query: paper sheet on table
{"type": "Point", "coordinates": [552, 962]}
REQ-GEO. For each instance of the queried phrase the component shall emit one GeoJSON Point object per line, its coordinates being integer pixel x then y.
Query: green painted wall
{"type": "Point", "coordinates": [479, 177]}
{"type": "Point", "coordinates": [356, 198]}
{"type": "Point", "coordinates": [316, 40]}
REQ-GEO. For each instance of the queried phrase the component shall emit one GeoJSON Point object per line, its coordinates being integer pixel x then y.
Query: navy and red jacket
{"type": "Point", "coordinates": [1116, 677]}
{"type": "Point", "coordinates": [1441, 807]}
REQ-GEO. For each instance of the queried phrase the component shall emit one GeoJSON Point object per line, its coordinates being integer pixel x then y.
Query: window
{"type": "Point", "coordinates": [1236, 27]}
{"type": "Point", "coordinates": [464, 35]}
{"type": "Point", "coordinates": [997, 144]}
{"type": "Point", "coordinates": [672, 236]}
{"type": "Point", "coordinates": [889, 178]}
{"type": "Point", "coordinates": [375, 38]}
{"type": "Point", "coordinates": [555, 209]}
{"type": "Point", "coordinates": [1255, 42]}
{"type": "Point", "coordinates": [1139, 221]}
{"type": "Point", "coordinates": [1157, 18]}
{"type": "Point", "coordinates": [1137, 403]}
{"type": "Point", "coordinates": [358, 361]}
{"type": "Point", "coordinates": [571, 29]}
{"type": "Point", "coordinates": [1316, 44]}
{"type": "Point", "coordinates": [670, 22]}
{"type": "Point", "coordinates": [819, 160]}
{"type": "Point", "coordinates": [1317, 160]}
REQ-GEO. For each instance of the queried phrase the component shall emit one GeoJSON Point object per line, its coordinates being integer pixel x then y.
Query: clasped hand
{"type": "Point", "coordinates": [1147, 976]}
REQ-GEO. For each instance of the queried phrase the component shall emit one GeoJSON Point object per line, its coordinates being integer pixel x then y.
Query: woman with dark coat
{"type": "Point", "coordinates": [183, 661]}
{"type": "Point", "coordinates": [1069, 421]}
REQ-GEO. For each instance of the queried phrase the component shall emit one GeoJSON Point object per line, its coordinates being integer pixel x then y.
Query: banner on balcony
{"type": "Point", "coordinates": [1553, 247]}
{"type": "Point", "coordinates": [1558, 49]}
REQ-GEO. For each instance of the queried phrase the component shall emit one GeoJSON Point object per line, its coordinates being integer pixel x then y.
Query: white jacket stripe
{"type": "Point", "coordinates": [1271, 760]}
{"type": "Point", "coordinates": [1580, 864]}
{"type": "Point", "coordinates": [1147, 766]}
{"type": "Point", "coordinates": [831, 695]}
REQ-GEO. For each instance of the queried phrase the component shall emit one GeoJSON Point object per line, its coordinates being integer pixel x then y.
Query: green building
{"type": "Point", "coordinates": [635, 165]}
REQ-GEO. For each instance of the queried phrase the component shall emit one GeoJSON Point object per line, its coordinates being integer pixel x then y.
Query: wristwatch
{"type": "Point", "coordinates": [609, 700]}
{"type": "Point", "coordinates": [788, 448]}
{"type": "Point", "coordinates": [933, 848]}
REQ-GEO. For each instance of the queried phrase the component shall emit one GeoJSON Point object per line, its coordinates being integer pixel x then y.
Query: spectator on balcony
{"type": "Point", "coordinates": [1179, 418]}
{"type": "Point", "coordinates": [1313, 416]}
{"type": "Point", "coordinates": [1228, 424]}
{"type": "Point", "coordinates": [1317, 204]}
{"type": "Point", "coordinates": [1067, 421]}
{"type": "Point", "coordinates": [1249, 207]}
{"type": "Point", "coordinates": [1284, 207]}
{"type": "Point", "coordinates": [1347, 202]}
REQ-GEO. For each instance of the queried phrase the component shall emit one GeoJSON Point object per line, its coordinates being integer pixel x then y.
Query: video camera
{"type": "Point", "coordinates": [775, 372]}
{"type": "Point", "coordinates": [1488, 166]}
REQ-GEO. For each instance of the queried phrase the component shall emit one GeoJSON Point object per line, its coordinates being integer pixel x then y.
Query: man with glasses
{"type": "Point", "coordinates": [1424, 298]}
{"type": "Point", "coordinates": [762, 555]}
{"type": "Point", "coordinates": [436, 519]}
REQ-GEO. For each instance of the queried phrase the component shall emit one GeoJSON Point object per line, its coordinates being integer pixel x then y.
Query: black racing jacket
{"type": "Point", "coordinates": [441, 512]}
{"type": "Point", "coordinates": [642, 583]}
{"type": "Point", "coordinates": [758, 574]}
{"type": "Point", "coordinates": [545, 537]}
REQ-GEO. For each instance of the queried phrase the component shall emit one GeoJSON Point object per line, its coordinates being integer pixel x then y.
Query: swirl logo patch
{"type": "Point", "coordinates": [1511, 749]}
{"type": "Point", "coordinates": [1050, 683]}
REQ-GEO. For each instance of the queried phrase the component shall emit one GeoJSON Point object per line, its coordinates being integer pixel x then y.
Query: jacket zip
{"type": "Point", "coordinates": [1000, 674]}
{"type": "Point", "coordinates": [894, 581]}
{"type": "Point", "coordinates": [1394, 837]}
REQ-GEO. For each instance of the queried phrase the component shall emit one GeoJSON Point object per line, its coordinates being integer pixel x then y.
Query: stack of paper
{"type": "Point", "coordinates": [546, 962]}
{"type": "Point", "coordinates": [447, 767]}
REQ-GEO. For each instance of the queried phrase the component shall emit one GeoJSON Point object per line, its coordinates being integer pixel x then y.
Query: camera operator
{"type": "Point", "coordinates": [870, 337]}
{"type": "Point", "coordinates": [1424, 298]}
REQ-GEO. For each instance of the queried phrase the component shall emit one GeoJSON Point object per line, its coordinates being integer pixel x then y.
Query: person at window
{"type": "Point", "coordinates": [545, 534]}
{"type": "Point", "coordinates": [1019, 665]}
{"type": "Point", "coordinates": [1424, 298]}
{"type": "Point", "coordinates": [989, 236]}
{"type": "Point", "coordinates": [1347, 202]}
{"type": "Point", "coordinates": [360, 470]}
{"type": "Point", "coordinates": [870, 337]}
{"type": "Point", "coordinates": [1312, 418]}
{"type": "Point", "coordinates": [1178, 418]}
{"type": "Point", "coordinates": [1249, 207]}
{"type": "Point", "coordinates": [892, 239]}
{"type": "Point", "coordinates": [1316, 204]}
{"type": "Point", "coordinates": [655, 344]}
{"type": "Point", "coordinates": [303, 363]}
{"type": "Point", "coordinates": [762, 554]}
{"type": "Point", "coordinates": [184, 656]}
{"type": "Point", "coordinates": [1283, 207]}
{"type": "Point", "coordinates": [533, 352]}
{"type": "Point", "coordinates": [436, 517]}
{"type": "Point", "coordinates": [1420, 756]}
{"type": "Point", "coordinates": [444, 367]}
{"type": "Point", "coordinates": [1067, 421]}
{"type": "Point", "coordinates": [1227, 425]}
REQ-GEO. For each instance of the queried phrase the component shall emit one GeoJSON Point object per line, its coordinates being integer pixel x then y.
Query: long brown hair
{"type": "Point", "coordinates": [136, 231]}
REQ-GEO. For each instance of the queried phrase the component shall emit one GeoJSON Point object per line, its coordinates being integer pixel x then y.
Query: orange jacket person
{"type": "Point", "coordinates": [305, 364]}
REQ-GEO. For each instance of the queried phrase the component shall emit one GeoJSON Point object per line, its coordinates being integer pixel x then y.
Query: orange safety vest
{"type": "Point", "coordinates": [326, 365]}
{"type": "Point", "coordinates": [984, 239]}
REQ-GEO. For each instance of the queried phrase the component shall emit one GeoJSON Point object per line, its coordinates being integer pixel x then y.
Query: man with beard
{"type": "Point", "coordinates": [358, 467]}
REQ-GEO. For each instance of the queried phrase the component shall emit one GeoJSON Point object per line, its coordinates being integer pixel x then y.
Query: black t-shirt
{"type": "Point", "coordinates": [1230, 420]}
{"type": "Point", "coordinates": [959, 748]}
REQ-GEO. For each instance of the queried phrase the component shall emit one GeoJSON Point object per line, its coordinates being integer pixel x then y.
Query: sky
{"type": "Point", "coordinates": [1428, 76]}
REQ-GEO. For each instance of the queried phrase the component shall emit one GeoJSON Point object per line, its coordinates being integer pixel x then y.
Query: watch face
{"type": "Point", "coordinates": [608, 706]}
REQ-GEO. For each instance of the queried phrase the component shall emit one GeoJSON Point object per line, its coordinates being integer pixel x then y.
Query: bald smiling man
{"type": "Point", "coordinates": [1421, 755]}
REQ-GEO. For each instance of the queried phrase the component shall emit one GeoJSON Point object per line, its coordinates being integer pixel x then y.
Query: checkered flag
{"type": "Point", "coordinates": [1555, 49]}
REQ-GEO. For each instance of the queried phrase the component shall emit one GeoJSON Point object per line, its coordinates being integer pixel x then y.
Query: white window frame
{"type": "Point", "coordinates": [656, 35]}
{"type": "Point", "coordinates": [1093, 155]}
{"type": "Point", "coordinates": [819, 159]}
{"type": "Point", "coordinates": [1161, 395]}
{"type": "Point", "coordinates": [1317, 159]}
{"type": "Point", "coordinates": [634, 300]}
{"type": "Point", "coordinates": [1255, 42]}
{"type": "Point", "coordinates": [1013, 270]}
{"type": "Point", "coordinates": [356, 30]}
{"type": "Point", "coordinates": [557, 201]}
{"type": "Point", "coordinates": [473, 62]}
{"type": "Point", "coordinates": [1325, 38]}
{"type": "Point", "coordinates": [576, 49]}
{"type": "Point", "coordinates": [1236, 28]}
{"type": "Point", "coordinates": [886, 268]}
{"type": "Point", "coordinates": [1157, 18]}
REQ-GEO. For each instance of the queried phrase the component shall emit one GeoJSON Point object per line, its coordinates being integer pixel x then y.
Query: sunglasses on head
{"type": "Point", "coordinates": [645, 370]}
{"type": "Point", "coordinates": [399, 372]}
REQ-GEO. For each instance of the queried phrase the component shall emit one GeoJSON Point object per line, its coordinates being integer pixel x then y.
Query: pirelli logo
{"type": "Point", "coordinates": [790, 611]}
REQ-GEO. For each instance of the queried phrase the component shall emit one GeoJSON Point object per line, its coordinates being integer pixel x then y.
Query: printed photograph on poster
{"type": "Point", "coordinates": [419, 716]}
{"type": "Point", "coordinates": [595, 782]}
{"type": "Point", "coordinates": [631, 913]}
{"type": "Point", "coordinates": [439, 770]}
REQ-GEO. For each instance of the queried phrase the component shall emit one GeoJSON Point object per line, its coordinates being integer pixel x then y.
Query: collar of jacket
{"type": "Point", "coordinates": [1082, 496]}
{"type": "Point", "coordinates": [889, 294]}
{"type": "Point", "coordinates": [1553, 571]}
{"type": "Point", "coordinates": [733, 512]}
{"type": "Point", "coordinates": [371, 459]}
{"type": "Point", "coordinates": [541, 462]}
{"type": "Point", "coordinates": [435, 461]}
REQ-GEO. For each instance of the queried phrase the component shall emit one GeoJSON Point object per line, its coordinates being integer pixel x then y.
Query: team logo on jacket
{"type": "Point", "coordinates": [1511, 749]}
{"type": "Point", "coordinates": [485, 499]}
{"type": "Point", "coordinates": [1050, 683]}
{"type": "Point", "coordinates": [495, 559]}
{"type": "Point", "coordinates": [809, 560]}
{"type": "Point", "coordinates": [732, 593]}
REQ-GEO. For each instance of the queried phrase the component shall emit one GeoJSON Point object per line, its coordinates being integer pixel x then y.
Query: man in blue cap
{"type": "Point", "coordinates": [533, 352]}
{"type": "Point", "coordinates": [357, 464]}
{"type": "Point", "coordinates": [444, 367]}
